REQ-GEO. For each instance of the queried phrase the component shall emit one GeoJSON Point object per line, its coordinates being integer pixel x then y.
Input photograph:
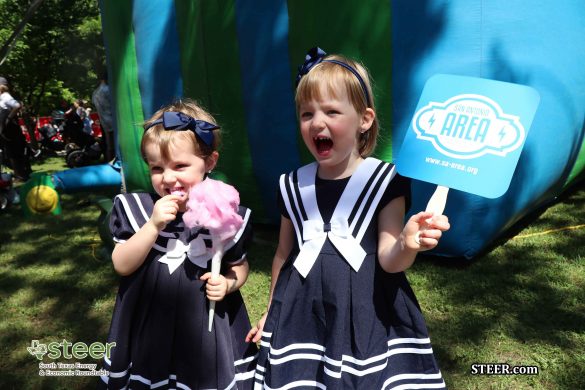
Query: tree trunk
{"type": "Point", "coordinates": [5, 50]}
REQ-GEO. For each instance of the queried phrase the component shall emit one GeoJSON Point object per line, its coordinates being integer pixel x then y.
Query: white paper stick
{"type": "Point", "coordinates": [436, 205]}
{"type": "Point", "coordinates": [438, 200]}
{"type": "Point", "coordinates": [215, 268]}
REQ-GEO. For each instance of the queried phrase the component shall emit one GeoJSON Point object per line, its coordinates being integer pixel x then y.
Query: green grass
{"type": "Point", "coordinates": [523, 303]}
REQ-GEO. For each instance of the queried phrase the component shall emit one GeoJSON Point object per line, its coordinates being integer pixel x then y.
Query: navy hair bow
{"type": "Point", "coordinates": [178, 121]}
{"type": "Point", "coordinates": [315, 56]}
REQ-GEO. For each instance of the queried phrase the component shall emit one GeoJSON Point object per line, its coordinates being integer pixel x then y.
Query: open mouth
{"type": "Point", "coordinates": [323, 144]}
{"type": "Point", "coordinates": [179, 191]}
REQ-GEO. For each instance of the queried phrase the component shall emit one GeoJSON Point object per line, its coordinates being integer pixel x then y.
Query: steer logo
{"type": "Point", "coordinates": [469, 126]}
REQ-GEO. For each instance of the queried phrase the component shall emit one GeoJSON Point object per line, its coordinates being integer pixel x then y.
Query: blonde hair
{"type": "Point", "coordinates": [336, 80]}
{"type": "Point", "coordinates": [166, 138]}
{"type": "Point", "coordinates": [4, 88]}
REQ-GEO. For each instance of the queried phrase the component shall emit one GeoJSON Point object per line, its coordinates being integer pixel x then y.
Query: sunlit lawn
{"type": "Point", "coordinates": [521, 304]}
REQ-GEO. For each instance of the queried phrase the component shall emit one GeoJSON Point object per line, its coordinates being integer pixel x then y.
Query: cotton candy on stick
{"type": "Point", "coordinates": [213, 205]}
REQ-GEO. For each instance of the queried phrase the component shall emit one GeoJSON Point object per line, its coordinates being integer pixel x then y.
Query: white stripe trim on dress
{"type": "Point", "coordinates": [148, 382]}
{"type": "Point", "coordinates": [342, 364]}
{"type": "Point", "coordinates": [133, 222]}
{"type": "Point", "coordinates": [232, 384]}
{"type": "Point", "coordinates": [295, 356]}
{"type": "Point", "coordinates": [242, 376]}
{"type": "Point", "coordinates": [288, 206]}
{"type": "Point", "coordinates": [260, 368]}
{"type": "Point", "coordinates": [401, 377]}
{"type": "Point", "coordinates": [298, 384]}
{"type": "Point", "coordinates": [238, 377]}
{"type": "Point", "coordinates": [119, 374]}
{"type": "Point", "coordinates": [386, 383]}
{"type": "Point", "coordinates": [376, 200]}
{"type": "Point", "coordinates": [409, 340]}
{"type": "Point", "coordinates": [245, 360]}
{"type": "Point", "coordinates": [306, 179]}
{"type": "Point", "coordinates": [280, 351]}
{"type": "Point", "coordinates": [361, 208]}
{"type": "Point", "coordinates": [128, 211]}
{"type": "Point", "coordinates": [354, 371]}
{"type": "Point", "coordinates": [241, 231]}
{"type": "Point", "coordinates": [370, 169]}
{"type": "Point", "coordinates": [409, 386]}
{"type": "Point", "coordinates": [363, 181]}
{"type": "Point", "coordinates": [234, 240]}
{"type": "Point", "coordinates": [275, 351]}
{"type": "Point", "coordinates": [349, 359]}
{"type": "Point", "coordinates": [146, 216]}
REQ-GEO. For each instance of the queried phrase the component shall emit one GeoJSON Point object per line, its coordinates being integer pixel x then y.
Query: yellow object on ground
{"type": "Point", "coordinates": [39, 196]}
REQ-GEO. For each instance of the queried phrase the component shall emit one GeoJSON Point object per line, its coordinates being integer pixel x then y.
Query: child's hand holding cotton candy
{"type": "Point", "coordinates": [214, 205]}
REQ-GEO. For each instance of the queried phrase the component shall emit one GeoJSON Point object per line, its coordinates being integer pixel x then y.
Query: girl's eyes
{"type": "Point", "coordinates": [177, 167]}
{"type": "Point", "coordinates": [309, 115]}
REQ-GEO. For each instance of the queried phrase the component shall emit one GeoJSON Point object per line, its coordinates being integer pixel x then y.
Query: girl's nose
{"type": "Point", "coordinates": [318, 122]}
{"type": "Point", "coordinates": [168, 176]}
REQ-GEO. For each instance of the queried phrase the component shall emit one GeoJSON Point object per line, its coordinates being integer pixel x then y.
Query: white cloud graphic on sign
{"type": "Point", "coordinates": [469, 126]}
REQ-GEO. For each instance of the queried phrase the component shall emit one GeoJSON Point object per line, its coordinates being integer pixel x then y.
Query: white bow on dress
{"type": "Point", "coordinates": [177, 250]}
{"type": "Point", "coordinates": [315, 233]}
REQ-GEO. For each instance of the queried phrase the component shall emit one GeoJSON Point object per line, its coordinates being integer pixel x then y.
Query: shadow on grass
{"type": "Point", "coordinates": [521, 303]}
{"type": "Point", "coordinates": [56, 283]}
{"type": "Point", "coordinates": [527, 295]}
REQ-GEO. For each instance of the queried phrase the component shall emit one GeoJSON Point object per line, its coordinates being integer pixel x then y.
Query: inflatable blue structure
{"type": "Point", "coordinates": [87, 178]}
{"type": "Point", "coordinates": [239, 59]}
{"type": "Point", "coordinates": [538, 45]}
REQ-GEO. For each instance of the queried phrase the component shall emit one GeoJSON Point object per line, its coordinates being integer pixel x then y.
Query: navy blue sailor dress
{"type": "Point", "coordinates": [161, 315]}
{"type": "Point", "coordinates": [337, 320]}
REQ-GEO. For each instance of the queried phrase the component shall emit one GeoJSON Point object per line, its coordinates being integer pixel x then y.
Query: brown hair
{"type": "Point", "coordinates": [165, 138]}
{"type": "Point", "coordinates": [336, 79]}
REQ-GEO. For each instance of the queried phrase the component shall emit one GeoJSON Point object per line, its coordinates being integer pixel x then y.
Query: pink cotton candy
{"type": "Point", "coordinates": [213, 205]}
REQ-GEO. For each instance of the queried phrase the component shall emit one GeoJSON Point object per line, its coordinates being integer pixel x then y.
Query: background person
{"type": "Point", "coordinates": [102, 100]}
{"type": "Point", "coordinates": [12, 140]}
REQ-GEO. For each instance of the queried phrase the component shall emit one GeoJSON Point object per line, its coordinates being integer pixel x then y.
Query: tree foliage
{"type": "Point", "coordinates": [58, 56]}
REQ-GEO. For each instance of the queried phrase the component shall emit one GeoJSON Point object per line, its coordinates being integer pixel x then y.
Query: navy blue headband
{"type": "Point", "coordinates": [178, 121]}
{"type": "Point", "coordinates": [315, 56]}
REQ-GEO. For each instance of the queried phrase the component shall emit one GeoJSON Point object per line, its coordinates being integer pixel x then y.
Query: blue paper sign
{"type": "Point", "coordinates": [467, 133]}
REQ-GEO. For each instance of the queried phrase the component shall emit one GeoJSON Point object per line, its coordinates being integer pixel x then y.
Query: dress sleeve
{"type": "Point", "coordinates": [242, 240]}
{"type": "Point", "coordinates": [398, 186]}
{"type": "Point", "coordinates": [281, 205]}
{"type": "Point", "coordinates": [120, 225]}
